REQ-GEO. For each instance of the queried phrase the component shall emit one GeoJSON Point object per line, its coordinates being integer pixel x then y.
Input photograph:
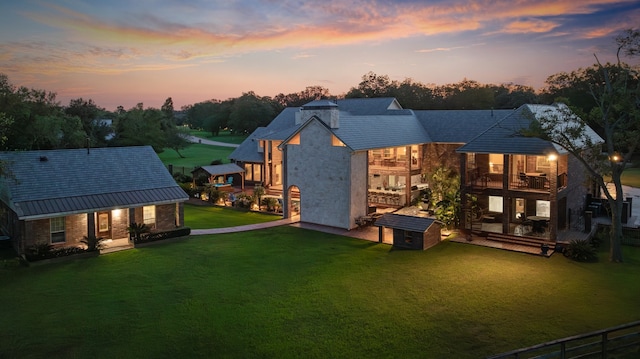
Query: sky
{"type": "Point", "coordinates": [121, 52]}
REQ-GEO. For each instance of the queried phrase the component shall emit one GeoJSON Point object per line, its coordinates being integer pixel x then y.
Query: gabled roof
{"type": "Point", "coordinates": [406, 223]}
{"type": "Point", "coordinates": [368, 106]}
{"type": "Point", "coordinates": [69, 181]}
{"type": "Point", "coordinates": [380, 131]}
{"type": "Point", "coordinates": [458, 126]}
{"type": "Point", "coordinates": [220, 170]}
{"type": "Point", "coordinates": [505, 137]}
{"type": "Point", "coordinates": [247, 151]}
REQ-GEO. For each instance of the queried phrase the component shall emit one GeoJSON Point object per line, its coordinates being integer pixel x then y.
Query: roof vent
{"type": "Point", "coordinates": [43, 159]}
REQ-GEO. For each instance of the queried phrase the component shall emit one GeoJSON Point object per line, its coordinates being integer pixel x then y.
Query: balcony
{"type": "Point", "coordinates": [530, 182]}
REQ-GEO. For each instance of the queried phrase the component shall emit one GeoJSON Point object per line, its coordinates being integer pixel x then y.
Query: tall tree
{"type": "Point", "coordinates": [617, 112]}
{"type": "Point", "coordinates": [250, 111]}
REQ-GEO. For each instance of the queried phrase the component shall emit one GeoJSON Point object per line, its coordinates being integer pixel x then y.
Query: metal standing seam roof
{"type": "Point", "coordinates": [60, 182]}
{"type": "Point", "coordinates": [223, 169]}
{"type": "Point", "coordinates": [403, 222]}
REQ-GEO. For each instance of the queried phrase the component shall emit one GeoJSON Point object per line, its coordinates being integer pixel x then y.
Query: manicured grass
{"type": "Point", "coordinates": [202, 217]}
{"type": "Point", "coordinates": [196, 155]}
{"type": "Point", "coordinates": [224, 136]}
{"type": "Point", "coordinates": [631, 177]}
{"type": "Point", "coordinates": [292, 293]}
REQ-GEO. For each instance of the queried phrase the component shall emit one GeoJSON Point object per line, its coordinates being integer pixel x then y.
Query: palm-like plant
{"type": "Point", "coordinates": [137, 229]}
{"type": "Point", "coordinates": [93, 243]}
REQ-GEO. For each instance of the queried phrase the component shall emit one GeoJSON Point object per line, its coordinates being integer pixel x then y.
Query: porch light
{"type": "Point", "coordinates": [552, 157]}
{"type": "Point", "coordinates": [116, 212]}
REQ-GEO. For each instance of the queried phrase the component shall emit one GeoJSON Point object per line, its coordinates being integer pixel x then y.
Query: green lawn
{"type": "Point", "coordinates": [202, 217]}
{"type": "Point", "coordinates": [631, 177]}
{"type": "Point", "coordinates": [196, 155]}
{"type": "Point", "coordinates": [292, 293]}
{"type": "Point", "coordinates": [224, 136]}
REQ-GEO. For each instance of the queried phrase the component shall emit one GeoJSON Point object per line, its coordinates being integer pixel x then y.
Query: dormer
{"type": "Point", "coordinates": [326, 110]}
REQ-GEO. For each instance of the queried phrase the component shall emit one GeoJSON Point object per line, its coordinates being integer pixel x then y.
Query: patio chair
{"type": "Point", "coordinates": [524, 180]}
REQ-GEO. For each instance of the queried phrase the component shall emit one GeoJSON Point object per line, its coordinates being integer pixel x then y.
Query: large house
{"type": "Point", "coordinates": [343, 159]}
{"type": "Point", "coordinates": [58, 197]}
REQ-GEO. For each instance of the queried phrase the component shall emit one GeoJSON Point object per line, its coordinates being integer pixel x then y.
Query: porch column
{"type": "Point", "coordinates": [506, 199]}
{"type": "Point", "coordinates": [466, 218]}
{"type": "Point", "coordinates": [380, 234]}
{"type": "Point", "coordinates": [407, 184]}
{"type": "Point", "coordinates": [91, 224]}
{"type": "Point", "coordinates": [286, 200]}
{"type": "Point", "coordinates": [553, 199]}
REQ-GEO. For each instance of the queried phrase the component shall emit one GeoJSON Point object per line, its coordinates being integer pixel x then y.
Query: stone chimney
{"type": "Point", "coordinates": [326, 110]}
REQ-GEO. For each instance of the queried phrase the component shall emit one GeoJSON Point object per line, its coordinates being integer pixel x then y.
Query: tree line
{"type": "Point", "coordinates": [33, 119]}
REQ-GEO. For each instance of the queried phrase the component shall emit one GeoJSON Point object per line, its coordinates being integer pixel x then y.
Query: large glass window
{"type": "Point", "coordinates": [496, 163]}
{"type": "Point", "coordinates": [495, 204]}
{"type": "Point", "coordinates": [149, 215]}
{"type": "Point", "coordinates": [543, 208]}
{"type": "Point", "coordinates": [57, 230]}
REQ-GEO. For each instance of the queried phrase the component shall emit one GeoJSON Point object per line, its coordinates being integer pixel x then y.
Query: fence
{"type": "Point", "coordinates": [622, 340]}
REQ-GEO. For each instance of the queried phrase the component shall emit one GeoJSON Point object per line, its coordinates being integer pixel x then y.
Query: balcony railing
{"type": "Point", "coordinates": [522, 181]}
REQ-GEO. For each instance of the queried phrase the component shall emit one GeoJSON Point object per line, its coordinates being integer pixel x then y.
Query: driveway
{"type": "Point", "coordinates": [204, 141]}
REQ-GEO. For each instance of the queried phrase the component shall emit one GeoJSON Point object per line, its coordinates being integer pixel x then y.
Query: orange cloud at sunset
{"type": "Point", "coordinates": [260, 44]}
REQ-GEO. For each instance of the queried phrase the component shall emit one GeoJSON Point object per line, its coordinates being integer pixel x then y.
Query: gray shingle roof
{"type": "Point", "coordinates": [247, 151]}
{"type": "Point", "coordinates": [368, 106]}
{"type": "Point", "coordinates": [380, 131]}
{"type": "Point", "coordinates": [458, 126]}
{"type": "Point", "coordinates": [407, 223]}
{"type": "Point", "coordinates": [59, 182]}
{"type": "Point", "coordinates": [504, 137]}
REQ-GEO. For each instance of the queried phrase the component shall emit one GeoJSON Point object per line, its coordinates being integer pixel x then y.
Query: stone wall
{"type": "Point", "coordinates": [322, 173]}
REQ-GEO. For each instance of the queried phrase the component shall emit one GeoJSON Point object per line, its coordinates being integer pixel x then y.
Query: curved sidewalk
{"type": "Point", "coordinates": [248, 227]}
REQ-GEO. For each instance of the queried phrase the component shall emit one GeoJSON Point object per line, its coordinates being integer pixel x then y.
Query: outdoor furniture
{"type": "Point", "coordinates": [524, 180]}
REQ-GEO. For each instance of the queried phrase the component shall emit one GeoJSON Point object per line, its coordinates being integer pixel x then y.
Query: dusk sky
{"type": "Point", "coordinates": [124, 52]}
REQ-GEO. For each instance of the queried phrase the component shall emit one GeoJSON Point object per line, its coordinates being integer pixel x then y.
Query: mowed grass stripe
{"type": "Point", "coordinates": [288, 292]}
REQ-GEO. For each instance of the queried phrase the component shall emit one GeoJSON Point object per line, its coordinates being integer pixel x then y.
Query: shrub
{"type": "Point", "coordinates": [137, 229]}
{"type": "Point", "coordinates": [157, 236]}
{"type": "Point", "coordinates": [44, 250]}
{"type": "Point", "coordinates": [182, 178]}
{"type": "Point", "coordinates": [216, 162]}
{"type": "Point", "coordinates": [93, 243]}
{"type": "Point", "coordinates": [243, 200]}
{"type": "Point", "coordinates": [581, 251]}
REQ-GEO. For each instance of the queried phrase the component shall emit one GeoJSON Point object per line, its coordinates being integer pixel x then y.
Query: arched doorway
{"type": "Point", "coordinates": [293, 201]}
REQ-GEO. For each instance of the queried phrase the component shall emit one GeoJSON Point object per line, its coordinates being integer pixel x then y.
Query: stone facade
{"type": "Point", "coordinates": [322, 172]}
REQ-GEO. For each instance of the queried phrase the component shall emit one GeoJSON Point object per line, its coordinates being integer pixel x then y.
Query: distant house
{"type": "Point", "coordinates": [60, 196]}
{"type": "Point", "coordinates": [336, 162]}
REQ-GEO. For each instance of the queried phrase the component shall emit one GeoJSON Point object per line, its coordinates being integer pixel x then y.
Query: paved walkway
{"type": "Point", "coordinates": [248, 227]}
{"type": "Point", "coordinates": [204, 141]}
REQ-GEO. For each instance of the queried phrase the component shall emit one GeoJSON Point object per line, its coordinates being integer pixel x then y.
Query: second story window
{"type": "Point", "coordinates": [496, 162]}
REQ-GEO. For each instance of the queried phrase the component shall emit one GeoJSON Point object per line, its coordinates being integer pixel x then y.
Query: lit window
{"type": "Point", "coordinates": [496, 163]}
{"type": "Point", "coordinates": [495, 204]}
{"type": "Point", "coordinates": [543, 208]}
{"type": "Point", "coordinates": [57, 230]}
{"type": "Point", "coordinates": [335, 141]}
{"type": "Point", "coordinates": [149, 215]}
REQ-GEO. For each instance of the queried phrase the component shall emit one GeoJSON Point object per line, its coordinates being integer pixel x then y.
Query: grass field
{"type": "Point", "coordinates": [202, 217]}
{"type": "Point", "coordinates": [293, 293]}
{"type": "Point", "coordinates": [196, 155]}
{"type": "Point", "coordinates": [224, 136]}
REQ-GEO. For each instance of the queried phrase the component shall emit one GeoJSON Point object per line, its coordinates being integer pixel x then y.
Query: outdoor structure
{"type": "Point", "coordinates": [345, 160]}
{"type": "Point", "coordinates": [411, 232]}
{"type": "Point", "coordinates": [220, 176]}
{"type": "Point", "coordinates": [58, 197]}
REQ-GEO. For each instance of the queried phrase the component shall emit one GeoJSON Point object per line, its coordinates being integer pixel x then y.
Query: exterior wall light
{"type": "Point", "coordinates": [552, 157]}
